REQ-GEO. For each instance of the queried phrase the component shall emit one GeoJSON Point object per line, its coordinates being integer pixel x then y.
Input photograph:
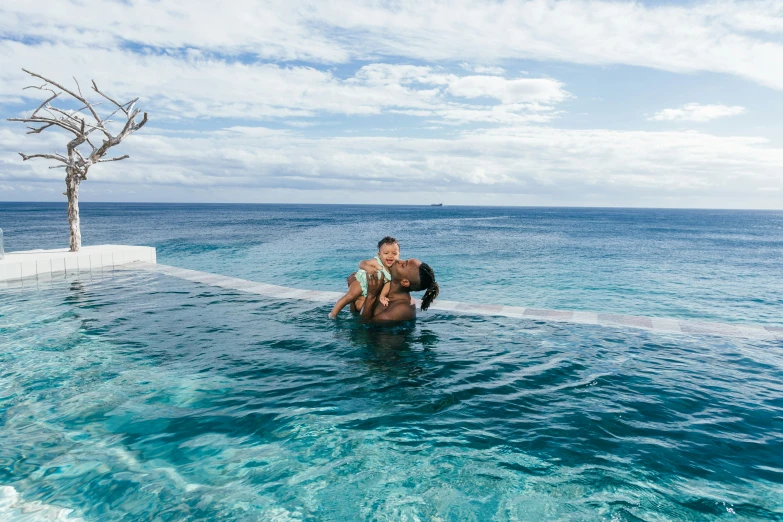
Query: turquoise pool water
{"type": "Point", "coordinates": [138, 396]}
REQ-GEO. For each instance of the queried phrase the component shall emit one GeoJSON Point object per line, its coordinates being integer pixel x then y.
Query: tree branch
{"type": "Point", "coordinates": [80, 121]}
{"type": "Point", "coordinates": [78, 87]}
{"type": "Point", "coordinates": [89, 142]}
{"type": "Point", "coordinates": [25, 157]}
{"type": "Point", "coordinates": [50, 121]}
{"type": "Point", "coordinates": [114, 159]}
{"type": "Point", "coordinates": [49, 109]}
{"type": "Point", "coordinates": [121, 107]}
{"type": "Point", "coordinates": [43, 88]}
{"type": "Point", "coordinates": [82, 108]}
{"type": "Point", "coordinates": [75, 122]}
{"type": "Point", "coordinates": [37, 131]}
{"type": "Point", "coordinates": [77, 96]}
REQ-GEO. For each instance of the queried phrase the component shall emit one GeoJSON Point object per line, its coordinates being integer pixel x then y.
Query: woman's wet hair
{"type": "Point", "coordinates": [428, 284]}
{"type": "Point", "coordinates": [388, 240]}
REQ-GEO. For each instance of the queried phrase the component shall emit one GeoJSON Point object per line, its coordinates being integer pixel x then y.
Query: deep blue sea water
{"type": "Point", "coordinates": [139, 396]}
{"type": "Point", "coordinates": [706, 264]}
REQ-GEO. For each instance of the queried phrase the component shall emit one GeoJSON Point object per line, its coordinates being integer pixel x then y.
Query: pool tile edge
{"type": "Point", "coordinates": [653, 324]}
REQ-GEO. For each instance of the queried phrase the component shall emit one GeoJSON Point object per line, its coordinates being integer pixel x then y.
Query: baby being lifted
{"type": "Point", "coordinates": [388, 253]}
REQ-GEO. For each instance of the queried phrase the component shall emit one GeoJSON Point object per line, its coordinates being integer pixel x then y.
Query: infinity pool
{"type": "Point", "coordinates": [139, 396]}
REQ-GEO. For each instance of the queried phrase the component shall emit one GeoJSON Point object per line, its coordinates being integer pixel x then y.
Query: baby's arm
{"type": "Point", "coordinates": [382, 298]}
{"type": "Point", "coordinates": [370, 265]}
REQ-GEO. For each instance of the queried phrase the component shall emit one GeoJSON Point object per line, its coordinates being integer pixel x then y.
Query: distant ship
{"type": "Point", "coordinates": [437, 205]}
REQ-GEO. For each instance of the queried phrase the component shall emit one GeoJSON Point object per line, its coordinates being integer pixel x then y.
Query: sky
{"type": "Point", "coordinates": [571, 103]}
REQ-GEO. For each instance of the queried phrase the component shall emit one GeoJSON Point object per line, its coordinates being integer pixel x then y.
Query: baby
{"type": "Point", "coordinates": [388, 253]}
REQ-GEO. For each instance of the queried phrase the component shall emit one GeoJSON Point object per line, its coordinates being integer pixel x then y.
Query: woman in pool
{"type": "Point", "coordinates": [378, 267]}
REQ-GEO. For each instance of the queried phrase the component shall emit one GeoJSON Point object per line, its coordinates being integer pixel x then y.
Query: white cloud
{"type": "Point", "coordinates": [481, 69]}
{"type": "Point", "coordinates": [400, 74]}
{"type": "Point", "coordinates": [199, 87]}
{"type": "Point", "coordinates": [732, 37]}
{"type": "Point", "coordinates": [561, 166]}
{"type": "Point", "coordinates": [697, 112]}
{"type": "Point", "coordinates": [194, 87]}
{"type": "Point", "coordinates": [523, 90]}
{"type": "Point", "coordinates": [199, 67]}
{"type": "Point", "coordinates": [267, 29]}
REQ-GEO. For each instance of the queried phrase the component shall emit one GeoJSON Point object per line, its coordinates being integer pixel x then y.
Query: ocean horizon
{"type": "Point", "coordinates": [597, 207]}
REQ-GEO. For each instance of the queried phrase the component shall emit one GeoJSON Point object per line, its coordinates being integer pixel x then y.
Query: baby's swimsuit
{"type": "Point", "coordinates": [361, 276]}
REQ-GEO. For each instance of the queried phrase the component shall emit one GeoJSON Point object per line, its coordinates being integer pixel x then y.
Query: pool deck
{"type": "Point", "coordinates": [35, 267]}
{"type": "Point", "coordinates": [17, 266]}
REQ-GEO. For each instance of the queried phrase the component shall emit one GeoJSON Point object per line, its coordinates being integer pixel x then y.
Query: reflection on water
{"type": "Point", "coordinates": [406, 350]}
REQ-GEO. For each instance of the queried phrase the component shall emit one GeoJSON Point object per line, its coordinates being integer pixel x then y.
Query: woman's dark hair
{"type": "Point", "coordinates": [427, 283]}
{"type": "Point", "coordinates": [388, 240]}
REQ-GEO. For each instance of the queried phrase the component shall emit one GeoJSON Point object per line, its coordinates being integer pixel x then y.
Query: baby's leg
{"type": "Point", "coordinates": [356, 306]}
{"type": "Point", "coordinates": [354, 291]}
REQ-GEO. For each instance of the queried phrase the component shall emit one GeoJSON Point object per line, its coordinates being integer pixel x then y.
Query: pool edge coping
{"type": "Point", "coordinates": [654, 324]}
{"type": "Point", "coordinates": [663, 325]}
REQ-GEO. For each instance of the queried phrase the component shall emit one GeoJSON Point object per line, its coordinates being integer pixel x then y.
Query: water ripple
{"type": "Point", "coordinates": [143, 396]}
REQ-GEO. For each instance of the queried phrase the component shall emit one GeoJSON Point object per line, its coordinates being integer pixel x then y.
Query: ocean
{"type": "Point", "coordinates": [716, 265]}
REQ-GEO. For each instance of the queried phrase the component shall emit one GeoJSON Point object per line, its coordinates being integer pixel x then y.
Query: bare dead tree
{"type": "Point", "coordinates": [81, 152]}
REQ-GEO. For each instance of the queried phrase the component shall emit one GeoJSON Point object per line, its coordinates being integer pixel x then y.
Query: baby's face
{"type": "Point", "coordinates": [389, 254]}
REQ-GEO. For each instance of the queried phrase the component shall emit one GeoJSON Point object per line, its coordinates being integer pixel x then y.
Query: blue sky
{"type": "Point", "coordinates": [584, 103]}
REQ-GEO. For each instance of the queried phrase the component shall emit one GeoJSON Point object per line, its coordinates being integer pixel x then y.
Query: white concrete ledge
{"type": "Point", "coordinates": [654, 324]}
{"type": "Point", "coordinates": [128, 258]}
{"type": "Point", "coordinates": [37, 263]}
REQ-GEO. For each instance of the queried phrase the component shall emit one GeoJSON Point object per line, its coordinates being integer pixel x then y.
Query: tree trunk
{"type": "Point", "coordinates": [72, 191]}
